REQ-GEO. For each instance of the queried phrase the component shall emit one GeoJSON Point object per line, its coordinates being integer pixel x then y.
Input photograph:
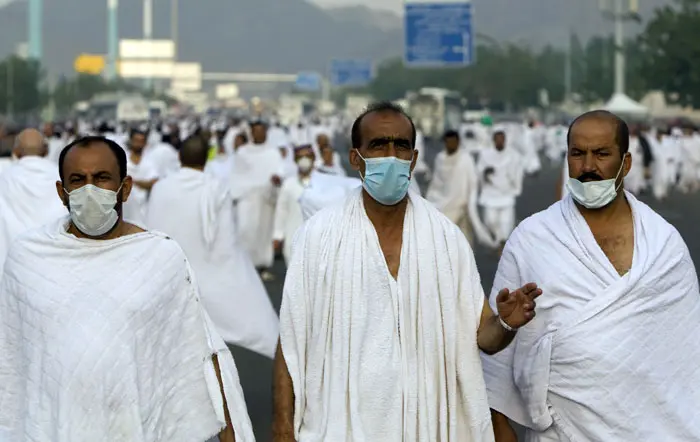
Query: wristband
{"type": "Point", "coordinates": [506, 326]}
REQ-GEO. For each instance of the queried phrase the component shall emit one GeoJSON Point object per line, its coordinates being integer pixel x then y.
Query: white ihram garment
{"type": "Point", "coordinates": [454, 191]}
{"type": "Point", "coordinates": [136, 205]}
{"type": "Point", "coordinates": [28, 199]}
{"type": "Point", "coordinates": [376, 359]}
{"type": "Point", "coordinates": [635, 181]}
{"type": "Point", "coordinates": [108, 340]}
{"type": "Point", "coordinates": [197, 212]}
{"type": "Point", "coordinates": [608, 357]}
{"type": "Point", "coordinates": [288, 215]}
{"type": "Point", "coordinates": [325, 190]}
{"type": "Point", "coordinates": [254, 166]}
{"type": "Point", "coordinates": [499, 193]}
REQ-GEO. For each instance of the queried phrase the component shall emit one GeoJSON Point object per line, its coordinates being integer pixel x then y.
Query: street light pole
{"type": "Point", "coordinates": [174, 24]}
{"type": "Point", "coordinates": [621, 11]}
{"type": "Point", "coordinates": [112, 38]}
{"type": "Point", "coordinates": [148, 32]}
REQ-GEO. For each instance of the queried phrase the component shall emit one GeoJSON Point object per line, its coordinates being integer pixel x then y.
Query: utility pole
{"type": "Point", "coordinates": [34, 27]}
{"type": "Point", "coordinates": [567, 69]}
{"type": "Point", "coordinates": [148, 32]}
{"type": "Point", "coordinates": [174, 24]}
{"type": "Point", "coordinates": [112, 38]}
{"type": "Point", "coordinates": [619, 12]}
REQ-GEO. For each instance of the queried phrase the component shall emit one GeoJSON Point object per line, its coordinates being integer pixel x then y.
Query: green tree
{"type": "Point", "coordinates": [21, 90]}
{"type": "Point", "coordinates": [670, 52]}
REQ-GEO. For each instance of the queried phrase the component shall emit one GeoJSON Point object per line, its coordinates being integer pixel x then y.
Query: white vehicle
{"type": "Point", "coordinates": [435, 110]}
{"type": "Point", "coordinates": [119, 107]}
{"type": "Point", "coordinates": [158, 108]}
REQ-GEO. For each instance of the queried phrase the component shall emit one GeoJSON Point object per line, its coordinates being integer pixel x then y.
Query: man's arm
{"type": "Point", "coordinates": [227, 434]}
{"type": "Point", "coordinates": [502, 429]}
{"type": "Point", "coordinates": [283, 396]}
{"type": "Point", "coordinates": [492, 337]}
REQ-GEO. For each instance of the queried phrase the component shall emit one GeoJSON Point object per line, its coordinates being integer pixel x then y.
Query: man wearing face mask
{"type": "Point", "coordinates": [27, 199]}
{"type": "Point", "coordinates": [383, 311]}
{"type": "Point", "coordinates": [612, 354]}
{"type": "Point", "coordinates": [102, 333]}
{"type": "Point", "coordinates": [288, 215]}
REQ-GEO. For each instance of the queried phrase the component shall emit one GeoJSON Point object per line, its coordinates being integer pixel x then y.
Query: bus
{"type": "Point", "coordinates": [435, 110]}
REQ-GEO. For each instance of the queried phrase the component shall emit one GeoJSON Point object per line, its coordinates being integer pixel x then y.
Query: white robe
{"type": "Point", "coordinates": [325, 190]}
{"type": "Point", "coordinates": [288, 214]}
{"type": "Point", "coordinates": [197, 212]}
{"type": "Point", "coordinates": [220, 167]}
{"type": "Point", "coordinates": [499, 194]}
{"type": "Point", "coordinates": [607, 358]}
{"type": "Point", "coordinates": [373, 358]}
{"type": "Point", "coordinates": [254, 167]}
{"type": "Point", "coordinates": [454, 189]}
{"type": "Point", "coordinates": [635, 181]}
{"type": "Point", "coordinates": [107, 340]}
{"type": "Point", "coordinates": [136, 205]}
{"type": "Point", "coordinates": [28, 199]}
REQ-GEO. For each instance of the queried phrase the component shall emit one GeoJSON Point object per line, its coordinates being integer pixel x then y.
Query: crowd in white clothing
{"type": "Point", "coordinates": [385, 332]}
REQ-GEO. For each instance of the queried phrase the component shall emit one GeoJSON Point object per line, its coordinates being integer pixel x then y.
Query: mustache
{"type": "Point", "coordinates": [590, 176]}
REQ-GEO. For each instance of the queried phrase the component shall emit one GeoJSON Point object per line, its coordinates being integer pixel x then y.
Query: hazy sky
{"type": "Point", "coordinates": [393, 5]}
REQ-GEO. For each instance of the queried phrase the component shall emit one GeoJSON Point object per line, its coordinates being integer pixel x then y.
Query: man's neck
{"type": "Point", "coordinates": [382, 216]}
{"type": "Point", "coordinates": [197, 168]}
{"type": "Point", "coordinates": [619, 208]}
{"type": "Point", "coordinates": [304, 175]}
{"type": "Point", "coordinates": [122, 228]}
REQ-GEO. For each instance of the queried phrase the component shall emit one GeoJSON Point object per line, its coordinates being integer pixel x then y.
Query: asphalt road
{"type": "Point", "coordinates": [683, 211]}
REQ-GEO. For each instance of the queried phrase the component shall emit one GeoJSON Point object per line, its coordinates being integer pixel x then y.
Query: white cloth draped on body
{"type": "Point", "coordinates": [136, 205]}
{"type": "Point", "coordinates": [454, 191]}
{"type": "Point", "coordinates": [107, 340]}
{"type": "Point", "coordinates": [197, 212]}
{"type": "Point", "coordinates": [288, 214]}
{"type": "Point", "coordinates": [252, 188]}
{"type": "Point", "coordinates": [373, 358]}
{"type": "Point", "coordinates": [325, 190]}
{"type": "Point", "coordinates": [608, 357]}
{"type": "Point", "coordinates": [28, 199]}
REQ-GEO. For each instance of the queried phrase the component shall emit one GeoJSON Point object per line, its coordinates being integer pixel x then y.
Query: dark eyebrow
{"type": "Point", "coordinates": [386, 140]}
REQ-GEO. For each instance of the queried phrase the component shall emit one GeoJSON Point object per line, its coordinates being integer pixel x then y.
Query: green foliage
{"type": "Point", "coordinates": [21, 86]}
{"type": "Point", "coordinates": [670, 52]}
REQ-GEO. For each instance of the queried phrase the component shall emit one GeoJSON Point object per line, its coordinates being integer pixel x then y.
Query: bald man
{"type": "Point", "coordinates": [196, 209]}
{"type": "Point", "coordinates": [27, 190]}
{"type": "Point", "coordinates": [612, 352]}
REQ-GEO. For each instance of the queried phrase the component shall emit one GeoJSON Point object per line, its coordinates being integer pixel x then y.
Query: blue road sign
{"type": "Point", "coordinates": [351, 73]}
{"type": "Point", "coordinates": [438, 34]}
{"type": "Point", "coordinates": [309, 81]}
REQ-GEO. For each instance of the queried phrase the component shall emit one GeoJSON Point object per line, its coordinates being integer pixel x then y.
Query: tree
{"type": "Point", "coordinates": [21, 91]}
{"type": "Point", "coordinates": [670, 52]}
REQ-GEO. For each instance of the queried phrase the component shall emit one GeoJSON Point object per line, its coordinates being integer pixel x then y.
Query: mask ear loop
{"type": "Point", "coordinates": [619, 172]}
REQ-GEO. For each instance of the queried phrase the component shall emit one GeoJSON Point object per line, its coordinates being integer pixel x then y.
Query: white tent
{"type": "Point", "coordinates": [624, 105]}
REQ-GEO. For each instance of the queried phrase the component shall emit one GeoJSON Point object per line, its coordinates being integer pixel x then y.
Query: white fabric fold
{"type": "Point", "coordinates": [107, 340]}
{"type": "Point", "coordinates": [28, 199]}
{"type": "Point", "coordinates": [607, 357]}
{"type": "Point", "coordinates": [196, 210]}
{"type": "Point", "coordinates": [373, 358]}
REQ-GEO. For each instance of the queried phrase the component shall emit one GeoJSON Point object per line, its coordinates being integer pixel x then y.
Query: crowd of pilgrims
{"type": "Point", "coordinates": [267, 179]}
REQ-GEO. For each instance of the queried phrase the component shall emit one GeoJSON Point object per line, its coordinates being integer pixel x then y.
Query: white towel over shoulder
{"type": "Point", "coordinates": [608, 358]}
{"type": "Point", "coordinates": [372, 358]}
{"type": "Point", "coordinates": [107, 340]}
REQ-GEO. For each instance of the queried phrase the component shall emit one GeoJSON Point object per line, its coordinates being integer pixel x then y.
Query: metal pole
{"type": "Point", "coordinates": [148, 31]}
{"type": "Point", "coordinates": [174, 24]}
{"type": "Point", "coordinates": [619, 47]}
{"type": "Point", "coordinates": [567, 70]}
{"type": "Point", "coordinates": [10, 87]}
{"type": "Point", "coordinates": [34, 27]}
{"type": "Point", "coordinates": [112, 38]}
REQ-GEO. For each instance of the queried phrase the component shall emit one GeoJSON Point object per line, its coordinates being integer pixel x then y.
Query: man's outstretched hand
{"type": "Point", "coordinates": [517, 308]}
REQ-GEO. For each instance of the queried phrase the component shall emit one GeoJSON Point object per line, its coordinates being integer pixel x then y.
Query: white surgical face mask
{"type": "Point", "coordinates": [305, 164]}
{"type": "Point", "coordinates": [92, 209]}
{"type": "Point", "coordinates": [595, 194]}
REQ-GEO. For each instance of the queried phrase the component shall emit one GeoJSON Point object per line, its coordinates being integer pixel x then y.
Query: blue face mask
{"type": "Point", "coordinates": [386, 179]}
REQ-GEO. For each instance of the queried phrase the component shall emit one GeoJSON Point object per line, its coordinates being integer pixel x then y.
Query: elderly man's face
{"type": "Point", "coordinates": [594, 154]}
{"type": "Point", "coordinates": [384, 134]}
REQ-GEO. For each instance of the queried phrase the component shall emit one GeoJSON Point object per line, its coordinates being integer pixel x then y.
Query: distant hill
{"type": "Point", "coordinates": [284, 36]}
